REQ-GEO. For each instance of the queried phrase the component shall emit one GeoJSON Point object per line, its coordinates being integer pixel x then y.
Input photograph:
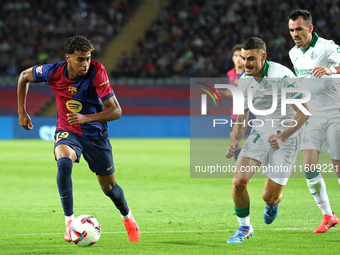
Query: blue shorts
{"type": "Point", "coordinates": [97, 153]}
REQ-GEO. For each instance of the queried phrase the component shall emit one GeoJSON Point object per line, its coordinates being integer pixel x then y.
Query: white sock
{"type": "Point", "coordinates": [317, 187]}
{"type": "Point", "coordinates": [126, 216]}
{"type": "Point", "coordinates": [67, 218]}
{"type": "Point", "coordinates": [244, 221]}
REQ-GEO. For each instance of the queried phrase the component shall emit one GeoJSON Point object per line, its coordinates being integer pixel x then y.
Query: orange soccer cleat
{"type": "Point", "coordinates": [327, 222]}
{"type": "Point", "coordinates": [132, 228]}
{"type": "Point", "coordinates": [67, 235]}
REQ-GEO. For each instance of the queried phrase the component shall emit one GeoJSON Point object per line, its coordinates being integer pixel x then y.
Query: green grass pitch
{"type": "Point", "coordinates": [176, 214]}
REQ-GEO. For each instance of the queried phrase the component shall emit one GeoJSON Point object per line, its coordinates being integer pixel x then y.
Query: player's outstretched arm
{"type": "Point", "coordinates": [111, 112]}
{"type": "Point", "coordinates": [23, 84]}
{"type": "Point", "coordinates": [238, 133]}
{"type": "Point", "coordinates": [300, 118]}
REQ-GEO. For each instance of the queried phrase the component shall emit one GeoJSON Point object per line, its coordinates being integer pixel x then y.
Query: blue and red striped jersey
{"type": "Point", "coordinates": [84, 95]}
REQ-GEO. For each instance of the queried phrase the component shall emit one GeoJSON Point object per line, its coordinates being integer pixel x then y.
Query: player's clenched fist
{"type": "Point", "coordinates": [275, 142]}
{"type": "Point", "coordinates": [231, 149]}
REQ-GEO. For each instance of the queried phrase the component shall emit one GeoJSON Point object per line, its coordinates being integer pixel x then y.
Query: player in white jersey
{"type": "Point", "coordinates": [271, 145]}
{"type": "Point", "coordinates": [316, 57]}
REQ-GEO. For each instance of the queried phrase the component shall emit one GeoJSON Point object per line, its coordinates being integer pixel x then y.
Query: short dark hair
{"type": "Point", "coordinates": [254, 43]}
{"type": "Point", "coordinates": [306, 15]}
{"type": "Point", "coordinates": [78, 43]}
{"type": "Point", "coordinates": [237, 47]}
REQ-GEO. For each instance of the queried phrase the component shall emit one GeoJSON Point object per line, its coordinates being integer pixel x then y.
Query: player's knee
{"type": "Point", "coordinates": [64, 173]}
{"type": "Point", "coordinates": [64, 165]}
{"type": "Point", "coordinates": [110, 189]}
{"type": "Point", "coordinates": [107, 182]}
{"type": "Point", "coordinates": [64, 180]}
{"type": "Point", "coordinates": [240, 184]}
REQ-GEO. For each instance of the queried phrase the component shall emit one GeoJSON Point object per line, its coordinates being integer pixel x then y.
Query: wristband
{"type": "Point", "coordinates": [334, 71]}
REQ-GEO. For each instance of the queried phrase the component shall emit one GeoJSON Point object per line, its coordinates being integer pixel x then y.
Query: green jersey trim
{"type": "Point", "coordinates": [312, 43]}
{"type": "Point", "coordinates": [265, 68]}
{"type": "Point", "coordinates": [264, 71]}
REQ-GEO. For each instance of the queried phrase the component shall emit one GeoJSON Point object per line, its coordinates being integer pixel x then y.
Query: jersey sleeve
{"type": "Point", "coordinates": [102, 84]}
{"type": "Point", "coordinates": [333, 53]}
{"type": "Point", "coordinates": [42, 73]}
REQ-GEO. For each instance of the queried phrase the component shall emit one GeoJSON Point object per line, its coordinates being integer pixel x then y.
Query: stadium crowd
{"type": "Point", "coordinates": [33, 31]}
{"type": "Point", "coordinates": [190, 38]}
{"type": "Point", "coordinates": [193, 38]}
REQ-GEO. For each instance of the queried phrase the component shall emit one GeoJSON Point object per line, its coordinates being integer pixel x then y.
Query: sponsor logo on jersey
{"type": "Point", "coordinates": [263, 98]}
{"type": "Point", "coordinates": [74, 106]}
{"type": "Point", "coordinates": [72, 91]}
{"type": "Point", "coordinates": [303, 72]}
{"type": "Point", "coordinates": [265, 85]}
{"type": "Point", "coordinates": [39, 69]}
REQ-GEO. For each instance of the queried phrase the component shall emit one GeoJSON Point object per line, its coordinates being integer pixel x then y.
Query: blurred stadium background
{"type": "Point", "coordinates": [150, 48]}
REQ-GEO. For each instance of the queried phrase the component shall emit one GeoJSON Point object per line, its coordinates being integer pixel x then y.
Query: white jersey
{"type": "Point", "coordinates": [325, 91]}
{"type": "Point", "coordinates": [274, 76]}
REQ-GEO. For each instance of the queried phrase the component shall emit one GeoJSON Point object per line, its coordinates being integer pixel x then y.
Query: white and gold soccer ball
{"type": "Point", "coordinates": [85, 230]}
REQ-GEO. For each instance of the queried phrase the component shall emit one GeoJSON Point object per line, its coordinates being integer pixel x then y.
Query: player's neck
{"type": "Point", "coordinates": [71, 75]}
{"type": "Point", "coordinates": [258, 75]}
{"type": "Point", "coordinates": [304, 47]}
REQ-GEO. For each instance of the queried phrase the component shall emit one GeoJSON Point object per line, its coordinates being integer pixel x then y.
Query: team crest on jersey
{"type": "Point", "coordinates": [312, 55]}
{"type": "Point", "coordinates": [265, 85]}
{"type": "Point", "coordinates": [39, 69]}
{"type": "Point", "coordinates": [72, 91]}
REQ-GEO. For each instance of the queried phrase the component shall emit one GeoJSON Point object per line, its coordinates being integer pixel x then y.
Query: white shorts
{"type": "Point", "coordinates": [277, 165]}
{"type": "Point", "coordinates": [321, 131]}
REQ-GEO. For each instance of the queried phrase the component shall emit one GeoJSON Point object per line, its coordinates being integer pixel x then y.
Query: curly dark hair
{"type": "Point", "coordinates": [78, 43]}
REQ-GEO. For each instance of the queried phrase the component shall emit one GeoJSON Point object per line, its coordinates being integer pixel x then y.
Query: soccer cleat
{"type": "Point", "coordinates": [242, 233]}
{"type": "Point", "coordinates": [67, 235]}
{"type": "Point", "coordinates": [270, 213]}
{"type": "Point", "coordinates": [327, 222]}
{"type": "Point", "coordinates": [132, 228]}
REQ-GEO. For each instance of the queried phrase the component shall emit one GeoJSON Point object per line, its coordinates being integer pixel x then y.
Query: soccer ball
{"type": "Point", "coordinates": [85, 230]}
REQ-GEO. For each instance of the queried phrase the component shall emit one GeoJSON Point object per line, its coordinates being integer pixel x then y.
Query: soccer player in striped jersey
{"type": "Point", "coordinates": [313, 56]}
{"type": "Point", "coordinates": [82, 89]}
{"type": "Point", "coordinates": [270, 145]}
